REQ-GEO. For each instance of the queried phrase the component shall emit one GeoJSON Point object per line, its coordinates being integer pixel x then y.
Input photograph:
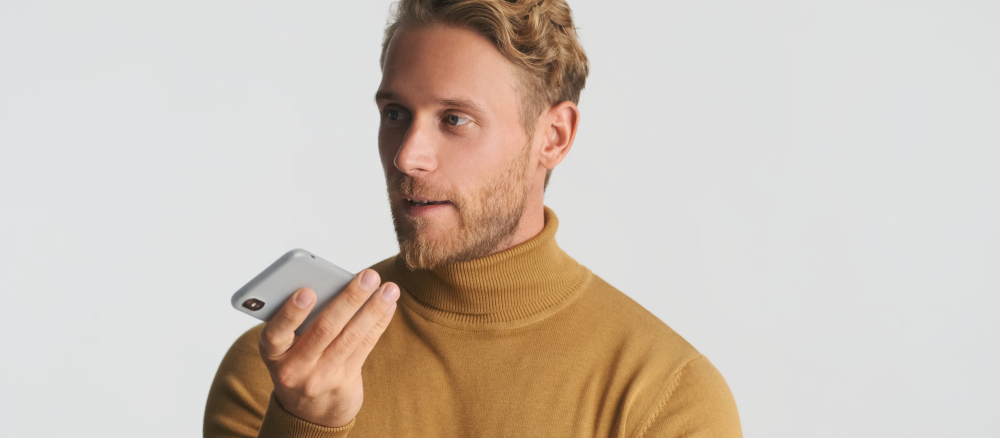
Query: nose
{"type": "Point", "coordinates": [417, 155]}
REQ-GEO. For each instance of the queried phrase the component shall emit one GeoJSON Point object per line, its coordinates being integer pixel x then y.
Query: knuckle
{"type": "Point", "coordinates": [370, 340]}
{"type": "Point", "coordinates": [355, 296]}
{"type": "Point", "coordinates": [350, 338]}
{"type": "Point", "coordinates": [376, 333]}
{"type": "Point", "coordinates": [315, 386]}
{"type": "Point", "coordinates": [289, 316]}
{"type": "Point", "coordinates": [287, 377]}
{"type": "Point", "coordinates": [269, 344]}
{"type": "Point", "coordinates": [339, 392]}
{"type": "Point", "coordinates": [378, 308]}
{"type": "Point", "coordinates": [324, 328]}
{"type": "Point", "coordinates": [383, 323]}
{"type": "Point", "coordinates": [269, 338]}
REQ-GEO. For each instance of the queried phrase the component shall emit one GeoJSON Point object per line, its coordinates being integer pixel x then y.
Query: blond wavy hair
{"type": "Point", "coordinates": [538, 36]}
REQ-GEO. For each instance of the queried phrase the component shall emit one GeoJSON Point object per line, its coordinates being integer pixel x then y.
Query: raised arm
{"type": "Point", "coordinates": [238, 397]}
{"type": "Point", "coordinates": [301, 386]}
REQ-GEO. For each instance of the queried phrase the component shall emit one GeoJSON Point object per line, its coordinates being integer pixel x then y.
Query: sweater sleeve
{"type": "Point", "coordinates": [241, 401]}
{"type": "Point", "coordinates": [696, 403]}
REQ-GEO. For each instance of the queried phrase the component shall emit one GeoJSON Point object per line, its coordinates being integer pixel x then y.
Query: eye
{"type": "Point", "coordinates": [393, 114]}
{"type": "Point", "coordinates": [455, 120]}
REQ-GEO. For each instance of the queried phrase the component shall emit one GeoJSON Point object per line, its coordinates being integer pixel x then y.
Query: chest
{"type": "Point", "coordinates": [422, 380]}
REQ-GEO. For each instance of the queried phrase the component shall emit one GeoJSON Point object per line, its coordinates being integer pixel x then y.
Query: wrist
{"type": "Point", "coordinates": [279, 422]}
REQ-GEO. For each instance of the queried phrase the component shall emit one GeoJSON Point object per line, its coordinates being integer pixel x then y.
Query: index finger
{"type": "Point", "coordinates": [279, 332]}
{"type": "Point", "coordinates": [331, 321]}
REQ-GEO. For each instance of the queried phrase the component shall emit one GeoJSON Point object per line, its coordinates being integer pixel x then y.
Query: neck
{"type": "Point", "coordinates": [509, 287]}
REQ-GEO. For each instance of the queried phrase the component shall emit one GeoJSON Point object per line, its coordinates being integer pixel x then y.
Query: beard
{"type": "Point", "coordinates": [488, 216]}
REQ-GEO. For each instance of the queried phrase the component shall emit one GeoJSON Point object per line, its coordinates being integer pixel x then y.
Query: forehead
{"type": "Point", "coordinates": [447, 62]}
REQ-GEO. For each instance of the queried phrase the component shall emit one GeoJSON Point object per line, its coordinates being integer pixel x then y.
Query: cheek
{"type": "Point", "coordinates": [469, 168]}
{"type": "Point", "coordinates": [464, 163]}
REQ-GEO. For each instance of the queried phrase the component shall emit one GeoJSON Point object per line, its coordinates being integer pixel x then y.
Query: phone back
{"type": "Point", "coordinates": [264, 295]}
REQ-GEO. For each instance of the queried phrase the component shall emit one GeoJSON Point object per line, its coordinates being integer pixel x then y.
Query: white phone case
{"type": "Point", "coordinates": [264, 295]}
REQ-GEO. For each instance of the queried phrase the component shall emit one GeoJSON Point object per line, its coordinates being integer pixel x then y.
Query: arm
{"type": "Point", "coordinates": [238, 397]}
{"type": "Point", "coordinates": [696, 403]}
{"type": "Point", "coordinates": [274, 383]}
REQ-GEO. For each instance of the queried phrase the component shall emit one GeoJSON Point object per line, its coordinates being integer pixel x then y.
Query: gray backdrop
{"type": "Point", "coordinates": [806, 191]}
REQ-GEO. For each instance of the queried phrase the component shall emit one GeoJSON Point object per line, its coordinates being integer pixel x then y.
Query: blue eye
{"type": "Point", "coordinates": [455, 120]}
{"type": "Point", "coordinates": [392, 114]}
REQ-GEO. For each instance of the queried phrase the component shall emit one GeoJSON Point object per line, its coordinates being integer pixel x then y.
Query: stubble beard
{"type": "Point", "coordinates": [488, 217]}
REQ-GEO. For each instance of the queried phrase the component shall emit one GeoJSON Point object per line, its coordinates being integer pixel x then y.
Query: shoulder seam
{"type": "Point", "coordinates": [669, 391]}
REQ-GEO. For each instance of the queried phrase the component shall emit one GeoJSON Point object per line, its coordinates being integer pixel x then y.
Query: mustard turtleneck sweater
{"type": "Point", "coordinates": [525, 342]}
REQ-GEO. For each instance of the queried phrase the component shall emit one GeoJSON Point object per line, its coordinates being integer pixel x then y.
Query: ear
{"type": "Point", "coordinates": [561, 121]}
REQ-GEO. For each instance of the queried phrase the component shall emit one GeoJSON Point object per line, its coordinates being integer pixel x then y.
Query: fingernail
{"type": "Point", "coordinates": [302, 299]}
{"type": "Point", "coordinates": [369, 279]}
{"type": "Point", "coordinates": [391, 292]}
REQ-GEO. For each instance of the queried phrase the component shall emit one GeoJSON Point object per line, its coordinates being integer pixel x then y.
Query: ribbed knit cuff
{"type": "Point", "coordinates": [280, 423]}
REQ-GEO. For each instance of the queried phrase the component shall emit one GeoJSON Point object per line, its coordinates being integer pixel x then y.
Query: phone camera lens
{"type": "Point", "coordinates": [253, 304]}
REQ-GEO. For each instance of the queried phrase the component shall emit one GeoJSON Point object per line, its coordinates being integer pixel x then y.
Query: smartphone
{"type": "Point", "coordinates": [264, 295]}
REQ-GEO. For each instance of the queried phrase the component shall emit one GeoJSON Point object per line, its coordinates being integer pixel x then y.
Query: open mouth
{"type": "Point", "coordinates": [421, 203]}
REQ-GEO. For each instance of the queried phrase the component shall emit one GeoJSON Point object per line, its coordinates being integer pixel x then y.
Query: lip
{"type": "Point", "coordinates": [421, 210]}
{"type": "Point", "coordinates": [419, 198]}
{"type": "Point", "coordinates": [424, 210]}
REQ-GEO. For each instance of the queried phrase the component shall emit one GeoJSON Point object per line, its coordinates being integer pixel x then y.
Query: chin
{"type": "Point", "coordinates": [438, 234]}
{"type": "Point", "coordinates": [424, 250]}
{"type": "Point", "coordinates": [426, 242]}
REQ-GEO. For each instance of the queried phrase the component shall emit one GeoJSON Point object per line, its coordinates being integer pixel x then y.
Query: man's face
{"type": "Point", "coordinates": [456, 158]}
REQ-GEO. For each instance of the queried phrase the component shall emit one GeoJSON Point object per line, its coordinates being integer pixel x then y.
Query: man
{"type": "Point", "coordinates": [497, 331]}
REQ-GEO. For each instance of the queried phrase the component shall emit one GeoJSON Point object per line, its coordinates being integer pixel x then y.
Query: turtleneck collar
{"type": "Point", "coordinates": [508, 289]}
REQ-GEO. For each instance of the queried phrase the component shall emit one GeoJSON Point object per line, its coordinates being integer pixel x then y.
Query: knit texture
{"type": "Point", "coordinates": [525, 342]}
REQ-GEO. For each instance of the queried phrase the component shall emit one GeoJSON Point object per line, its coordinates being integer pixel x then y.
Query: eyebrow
{"type": "Point", "coordinates": [467, 104]}
{"type": "Point", "coordinates": [384, 95]}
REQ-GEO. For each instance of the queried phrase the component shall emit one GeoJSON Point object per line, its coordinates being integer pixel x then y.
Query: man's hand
{"type": "Point", "coordinates": [317, 376]}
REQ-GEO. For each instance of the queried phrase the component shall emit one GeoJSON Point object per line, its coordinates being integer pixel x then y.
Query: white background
{"type": "Point", "coordinates": [806, 191]}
